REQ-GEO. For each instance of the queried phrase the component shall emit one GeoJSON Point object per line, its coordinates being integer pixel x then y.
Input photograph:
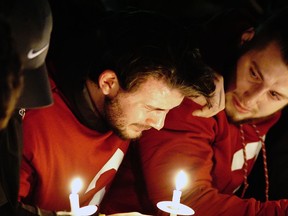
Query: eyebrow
{"type": "Point", "coordinates": [262, 77]}
{"type": "Point", "coordinates": [155, 108]}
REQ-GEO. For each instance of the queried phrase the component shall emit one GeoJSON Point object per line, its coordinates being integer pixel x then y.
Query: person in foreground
{"type": "Point", "coordinates": [216, 153]}
{"type": "Point", "coordinates": [25, 29]}
{"type": "Point", "coordinates": [134, 67]}
{"type": "Point", "coordinates": [10, 70]}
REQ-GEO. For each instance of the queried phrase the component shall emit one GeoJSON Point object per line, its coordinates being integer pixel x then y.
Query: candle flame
{"type": "Point", "coordinates": [76, 185]}
{"type": "Point", "coordinates": [181, 180]}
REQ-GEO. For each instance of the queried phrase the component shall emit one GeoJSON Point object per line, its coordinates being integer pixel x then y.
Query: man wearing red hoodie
{"type": "Point", "coordinates": [217, 153]}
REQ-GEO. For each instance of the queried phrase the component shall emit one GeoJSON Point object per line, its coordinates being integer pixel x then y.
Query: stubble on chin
{"type": "Point", "coordinates": [124, 134]}
{"type": "Point", "coordinates": [233, 116]}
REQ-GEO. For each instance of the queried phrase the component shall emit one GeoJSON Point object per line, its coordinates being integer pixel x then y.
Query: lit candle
{"type": "Point", "coordinates": [181, 181]}
{"type": "Point", "coordinates": [175, 207]}
{"type": "Point", "coordinates": [74, 197]}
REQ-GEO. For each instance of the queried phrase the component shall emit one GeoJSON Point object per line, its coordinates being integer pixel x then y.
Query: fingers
{"type": "Point", "coordinates": [63, 213]}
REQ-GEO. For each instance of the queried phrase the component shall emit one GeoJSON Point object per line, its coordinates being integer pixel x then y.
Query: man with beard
{"type": "Point", "coordinates": [114, 81]}
{"type": "Point", "coordinates": [217, 153]}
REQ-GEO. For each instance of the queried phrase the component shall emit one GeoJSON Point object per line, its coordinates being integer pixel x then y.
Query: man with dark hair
{"type": "Point", "coordinates": [111, 82]}
{"type": "Point", "coordinates": [216, 153]}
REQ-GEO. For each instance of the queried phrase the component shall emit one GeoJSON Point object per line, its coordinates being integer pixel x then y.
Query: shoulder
{"type": "Point", "coordinates": [181, 116]}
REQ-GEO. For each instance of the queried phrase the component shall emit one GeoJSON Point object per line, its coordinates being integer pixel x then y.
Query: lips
{"type": "Point", "coordinates": [145, 128]}
{"type": "Point", "coordinates": [140, 127]}
{"type": "Point", "coordinates": [238, 106]}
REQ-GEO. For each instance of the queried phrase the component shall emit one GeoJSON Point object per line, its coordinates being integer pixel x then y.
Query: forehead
{"type": "Point", "coordinates": [269, 63]}
{"type": "Point", "coordinates": [156, 93]}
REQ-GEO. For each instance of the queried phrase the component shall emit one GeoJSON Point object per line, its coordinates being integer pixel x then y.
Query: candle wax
{"type": "Point", "coordinates": [74, 202]}
{"type": "Point", "coordinates": [176, 196]}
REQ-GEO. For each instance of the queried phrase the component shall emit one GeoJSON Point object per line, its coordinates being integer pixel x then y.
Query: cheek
{"type": "Point", "coordinates": [132, 112]}
{"type": "Point", "coordinates": [269, 108]}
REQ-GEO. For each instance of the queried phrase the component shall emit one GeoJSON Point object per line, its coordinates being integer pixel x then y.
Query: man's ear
{"type": "Point", "coordinates": [247, 35]}
{"type": "Point", "coordinates": [108, 83]}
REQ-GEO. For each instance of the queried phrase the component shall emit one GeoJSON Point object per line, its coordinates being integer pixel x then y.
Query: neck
{"type": "Point", "coordinates": [95, 98]}
{"type": "Point", "coordinates": [95, 101]}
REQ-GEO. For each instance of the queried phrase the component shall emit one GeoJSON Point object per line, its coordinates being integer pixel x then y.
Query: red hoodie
{"type": "Point", "coordinates": [209, 150]}
{"type": "Point", "coordinates": [58, 148]}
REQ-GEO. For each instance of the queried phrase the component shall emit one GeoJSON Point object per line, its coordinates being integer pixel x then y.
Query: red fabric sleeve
{"type": "Point", "coordinates": [186, 144]}
{"type": "Point", "coordinates": [26, 179]}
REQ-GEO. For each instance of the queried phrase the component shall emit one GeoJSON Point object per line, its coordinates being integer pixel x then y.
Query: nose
{"type": "Point", "coordinates": [253, 95]}
{"type": "Point", "coordinates": [157, 120]}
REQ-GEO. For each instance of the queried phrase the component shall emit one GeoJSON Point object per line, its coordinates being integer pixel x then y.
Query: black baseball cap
{"type": "Point", "coordinates": [30, 22]}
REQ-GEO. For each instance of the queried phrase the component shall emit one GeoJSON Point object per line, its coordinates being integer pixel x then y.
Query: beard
{"type": "Point", "coordinates": [114, 116]}
{"type": "Point", "coordinates": [249, 120]}
{"type": "Point", "coordinates": [116, 119]}
{"type": "Point", "coordinates": [235, 118]}
{"type": "Point", "coordinates": [242, 121]}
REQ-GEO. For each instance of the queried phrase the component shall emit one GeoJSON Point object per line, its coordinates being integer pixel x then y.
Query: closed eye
{"type": "Point", "coordinates": [275, 96]}
{"type": "Point", "coordinates": [151, 108]}
{"type": "Point", "coordinates": [255, 73]}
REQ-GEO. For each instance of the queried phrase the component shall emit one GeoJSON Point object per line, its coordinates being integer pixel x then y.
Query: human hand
{"type": "Point", "coordinates": [213, 105]}
{"type": "Point", "coordinates": [28, 210]}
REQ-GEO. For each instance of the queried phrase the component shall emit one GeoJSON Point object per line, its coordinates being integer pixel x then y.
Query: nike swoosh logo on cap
{"type": "Point", "coordinates": [33, 54]}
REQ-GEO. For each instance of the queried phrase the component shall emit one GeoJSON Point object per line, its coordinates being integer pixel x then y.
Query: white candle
{"type": "Point", "coordinates": [74, 197]}
{"type": "Point", "coordinates": [181, 181]}
{"type": "Point", "coordinates": [175, 207]}
{"type": "Point", "coordinates": [176, 196]}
